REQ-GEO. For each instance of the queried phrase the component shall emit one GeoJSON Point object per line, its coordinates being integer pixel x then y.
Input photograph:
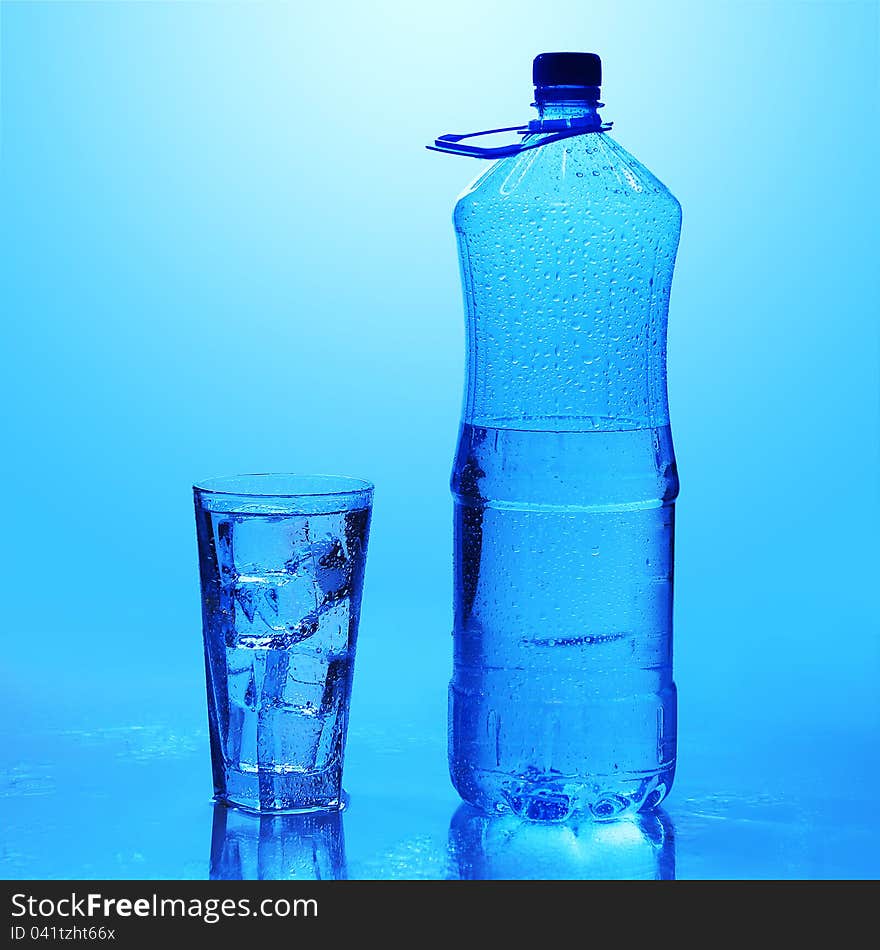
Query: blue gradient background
{"type": "Point", "coordinates": [225, 250]}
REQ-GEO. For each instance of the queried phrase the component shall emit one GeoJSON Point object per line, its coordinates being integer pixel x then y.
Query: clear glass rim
{"type": "Point", "coordinates": [288, 485]}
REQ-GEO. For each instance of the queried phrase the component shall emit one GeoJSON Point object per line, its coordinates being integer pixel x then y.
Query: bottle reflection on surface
{"type": "Point", "coordinates": [509, 848]}
{"type": "Point", "coordinates": [309, 847]}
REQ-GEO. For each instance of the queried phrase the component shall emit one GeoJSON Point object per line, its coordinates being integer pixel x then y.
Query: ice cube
{"type": "Point", "coordinates": [288, 738]}
{"type": "Point", "coordinates": [267, 543]}
{"type": "Point", "coordinates": [306, 678]}
{"type": "Point", "coordinates": [241, 687]}
{"type": "Point", "coordinates": [327, 630]}
{"type": "Point", "coordinates": [273, 611]}
{"type": "Point", "coordinates": [336, 684]}
{"type": "Point", "coordinates": [298, 597]}
{"type": "Point", "coordinates": [223, 549]}
{"type": "Point", "coordinates": [326, 560]}
{"type": "Point", "coordinates": [309, 720]}
{"type": "Point", "coordinates": [332, 568]}
{"type": "Point", "coordinates": [329, 748]}
{"type": "Point", "coordinates": [241, 741]}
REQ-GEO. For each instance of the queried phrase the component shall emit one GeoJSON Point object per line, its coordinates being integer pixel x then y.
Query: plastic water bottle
{"type": "Point", "coordinates": [562, 700]}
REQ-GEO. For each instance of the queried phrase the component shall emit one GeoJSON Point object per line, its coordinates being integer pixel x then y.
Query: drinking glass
{"type": "Point", "coordinates": [282, 561]}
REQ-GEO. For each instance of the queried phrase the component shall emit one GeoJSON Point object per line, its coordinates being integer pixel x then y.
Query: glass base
{"type": "Point", "coordinates": [283, 793]}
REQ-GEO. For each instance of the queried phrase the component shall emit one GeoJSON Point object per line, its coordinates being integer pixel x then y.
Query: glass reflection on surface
{"type": "Point", "coordinates": [309, 847]}
{"type": "Point", "coordinates": [509, 848]}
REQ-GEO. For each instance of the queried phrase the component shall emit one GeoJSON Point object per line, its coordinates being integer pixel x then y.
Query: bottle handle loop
{"type": "Point", "coordinates": [557, 130]}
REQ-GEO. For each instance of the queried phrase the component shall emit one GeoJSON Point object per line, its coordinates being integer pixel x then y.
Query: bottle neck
{"type": "Point", "coordinates": [567, 109]}
{"type": "Point", "coordinates": [555, 114]}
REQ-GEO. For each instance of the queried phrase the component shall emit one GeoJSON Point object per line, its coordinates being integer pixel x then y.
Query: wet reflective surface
{"type": "Point", "coordinates": [114, 783]}
{"type": "Point", "coordinates": [246, 847]}
{"type": "Point", "coordinates": [482, 848]}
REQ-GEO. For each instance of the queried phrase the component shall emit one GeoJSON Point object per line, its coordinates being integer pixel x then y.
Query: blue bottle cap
{"type": "Point", "coordinates": [567, 69]}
